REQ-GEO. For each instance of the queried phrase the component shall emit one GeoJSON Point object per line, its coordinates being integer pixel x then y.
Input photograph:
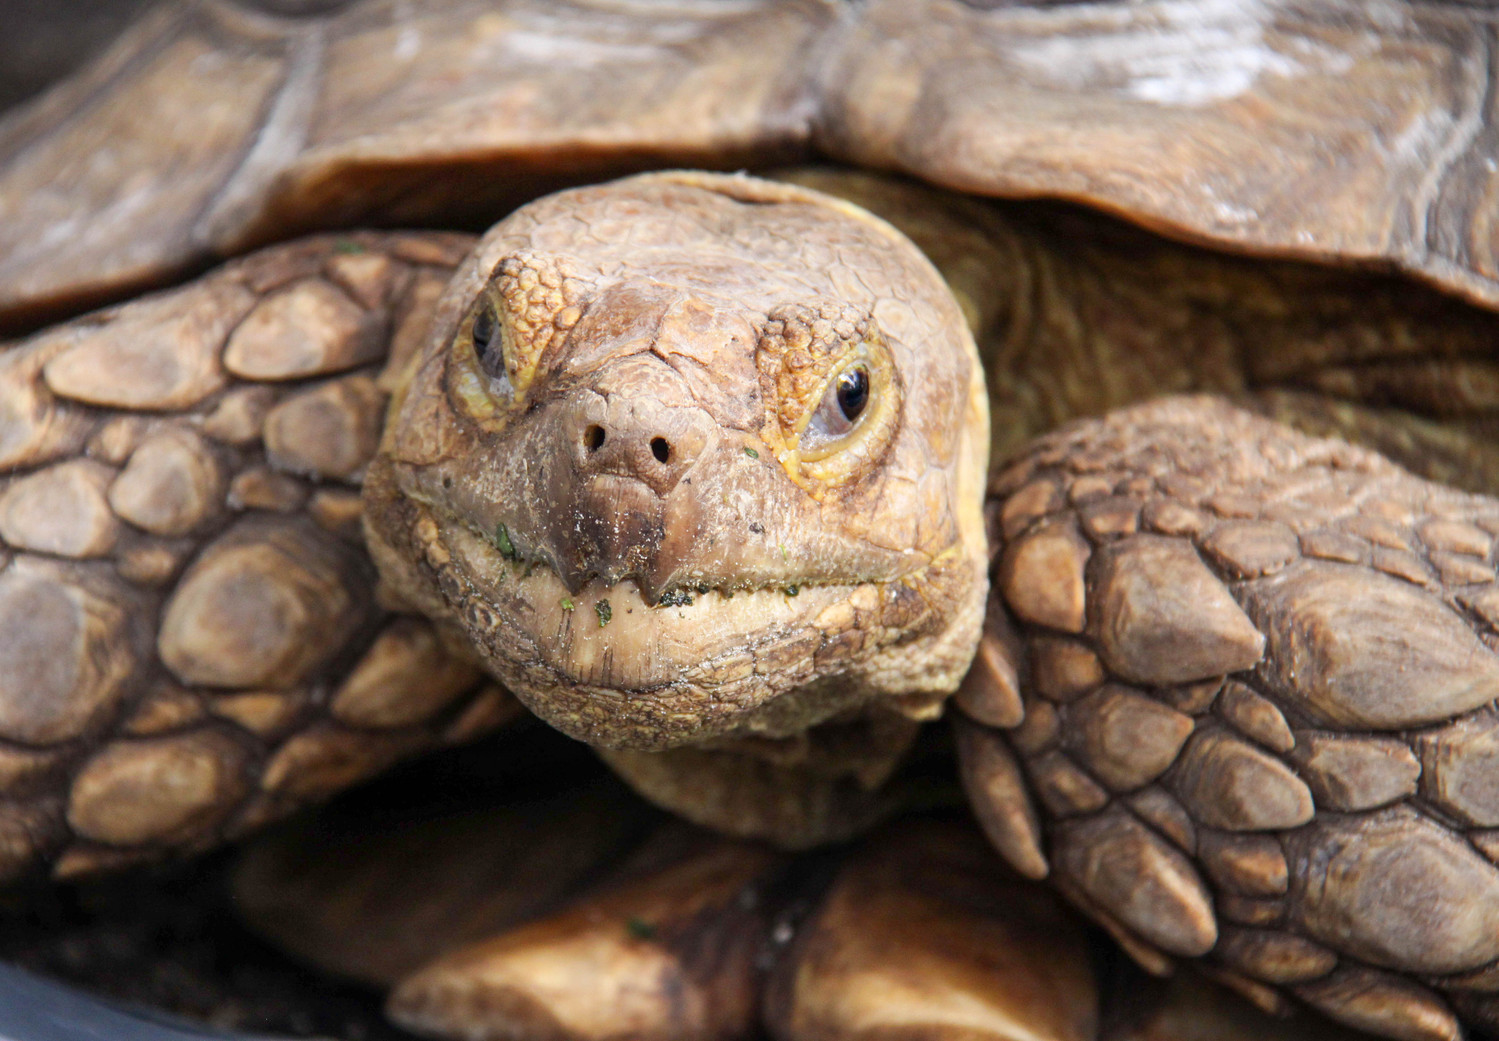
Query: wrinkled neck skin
{"type": "Point", "coordinates": [691, 457]}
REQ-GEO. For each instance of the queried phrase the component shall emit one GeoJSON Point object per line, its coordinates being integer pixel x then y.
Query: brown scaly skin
{"type": "Point", "coordinates": [192, 645]}
{"type": "Point", "coordinates": [685, 921]}
{"type": "Point", "coordinates": [651, 945]}
{"type": "Point", "coordinates": [1260, 671]}
{"type": "Point", "coordinates": [677, 934]}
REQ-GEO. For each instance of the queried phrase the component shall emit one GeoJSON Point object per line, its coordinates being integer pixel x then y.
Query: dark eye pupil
{"type": "Point", "coordinates": [853, 392]}
{"type": "Point", "coordinates": [483, 330]}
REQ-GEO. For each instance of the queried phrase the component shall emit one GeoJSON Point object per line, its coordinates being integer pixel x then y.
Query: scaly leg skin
{"type": "Point", "coordinates": [696, 937]}
{"type": "Point", "coordinates": [913, 932]}
{"type": "Point", "coordinates": [190, 642]}
{"type": "Point", "coordinates": [1258, 673]}
{"type": "Point", "coordinates": [320, 887]}
{"type": "Point", "coordinates": [668, 948]}
{"type": "Point", "coordinates": [920, 937]}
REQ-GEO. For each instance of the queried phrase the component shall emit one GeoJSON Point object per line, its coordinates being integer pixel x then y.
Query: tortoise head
{"type": "Point", "coordinates": [689, 455]}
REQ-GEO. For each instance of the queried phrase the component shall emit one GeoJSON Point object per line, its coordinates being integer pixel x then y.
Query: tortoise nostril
{"type": "Point", "coordinates": [593, 438]}
{"type": "Point", "coordinates": [660, 449]}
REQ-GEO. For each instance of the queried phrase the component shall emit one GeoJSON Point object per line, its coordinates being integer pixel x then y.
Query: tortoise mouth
{"type": "Point", "coordinates": [605, 665]}
{"type": "Point", "coordinates": [611, 635]}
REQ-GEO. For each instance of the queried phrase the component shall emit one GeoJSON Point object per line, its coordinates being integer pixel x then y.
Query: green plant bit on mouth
{"type": "Point", "coordinates": [605, 612]}
{"type": "Point", "coordinates": [675, 598]}
{"type": "Point", "coordinates": [640, 929]}
{"type": "Point", "coordinates": [784, 555]}
{"type": "Point", "coordinates": [347, 246]}
{"type": "Point", "coordinates": [751, 452]}
{"type": "Point", "coordinates": [567, 604]}
{"type": "Point", "coordinates": [502, 540]}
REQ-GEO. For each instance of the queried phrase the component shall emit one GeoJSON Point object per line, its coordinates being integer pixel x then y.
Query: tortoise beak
{"type": "Point", "coordinates": [617, 528]}
{"type": "Point", "coordinates": [623, 499]}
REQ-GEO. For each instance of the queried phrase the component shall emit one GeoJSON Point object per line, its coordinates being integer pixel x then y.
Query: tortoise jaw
{"type": "Point", "coordinates": [609, 665]}
{"type": "Point", "coordinates": [617, 664]}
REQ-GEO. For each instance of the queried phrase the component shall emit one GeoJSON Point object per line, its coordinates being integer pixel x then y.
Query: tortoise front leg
{"type": "Point", "coordinates": [1258, 673]}
{"type": "Point", "coordinates": [190, 639]}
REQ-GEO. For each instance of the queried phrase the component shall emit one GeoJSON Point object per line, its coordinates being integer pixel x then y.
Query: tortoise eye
{"type": "Point", "coordinates": [853, 392]}
{"type": "Point", "coordinates": [483, 328]}
{"type": "Point", "coordinates": [835, 393]}
{"type": "Point", "coordinates": [482, 332]}
{"type": "Point", "coordinates": [845, 400]}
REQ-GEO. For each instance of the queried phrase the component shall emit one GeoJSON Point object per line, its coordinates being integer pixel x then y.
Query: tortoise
{"type": "Point", "coordinates": [697, 465]}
